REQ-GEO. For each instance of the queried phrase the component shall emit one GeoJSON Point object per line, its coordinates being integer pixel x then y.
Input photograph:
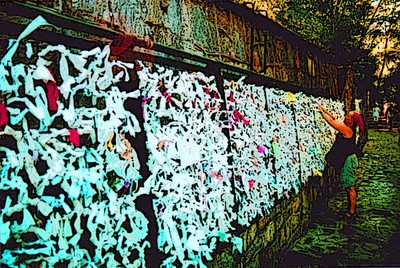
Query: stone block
{"type": "Point", "coordinates": [263, 222]}
{"type": "Point", "coordinates": [296, 204]}
{"type": "Point", "coordinates": [269, 234]}
{"type": "Point", "coordinates": [284, 235]}
{"type": "Point", "coordinates": [279, 221]}
{"type": "Point", "coordinates": [295, 220]}
{"type": "Point", "coordinates": [250, 236]}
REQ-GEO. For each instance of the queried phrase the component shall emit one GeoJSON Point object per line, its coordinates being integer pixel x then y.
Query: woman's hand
{"type": "Point", "coordinates": [325, 113]}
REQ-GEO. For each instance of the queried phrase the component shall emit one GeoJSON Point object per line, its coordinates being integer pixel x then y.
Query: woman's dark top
{"type": "Point", "coordinates": [341, 148]}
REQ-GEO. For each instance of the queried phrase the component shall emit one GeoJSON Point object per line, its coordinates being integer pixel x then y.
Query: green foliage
{"type": "Point", "coordinates": [330, 24]}
{"type": "Point", "coordinates": [350, 30]}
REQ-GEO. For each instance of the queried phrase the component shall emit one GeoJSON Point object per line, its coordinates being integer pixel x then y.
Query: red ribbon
{"type": "Point", "coordinates": [3, 115]}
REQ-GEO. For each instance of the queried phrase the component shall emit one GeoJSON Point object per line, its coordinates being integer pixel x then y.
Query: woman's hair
{"type": "Point", "coordinates": [354, 120]}
{"type": "Point", "coordinates": [359, 121]}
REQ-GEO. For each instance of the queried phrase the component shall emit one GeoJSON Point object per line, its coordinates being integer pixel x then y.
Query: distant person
{"type": "Point", "coordinates": [343, 155]}
{"type": "Point", "coordinates": [385, 107]}
{"type": "Point", "coordinates": [375, 114]}
{"type": "Point", "coordinates": [390, 113]}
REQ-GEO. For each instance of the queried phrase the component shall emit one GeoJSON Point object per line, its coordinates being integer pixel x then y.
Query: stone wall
{"type": "Point", "coordinates": [288, 217]}
{"type": "Point", "coordinates": [213, 32]}
{"type": "Point", "coordinates": [80, 163]}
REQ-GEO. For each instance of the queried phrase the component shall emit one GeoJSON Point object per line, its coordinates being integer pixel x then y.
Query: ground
{"type": "Point", "coordinates": [373, 237]}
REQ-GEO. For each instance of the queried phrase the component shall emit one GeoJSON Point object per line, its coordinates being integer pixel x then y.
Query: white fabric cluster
{"type": "Point", "coordinates": [90, 205]}
{"type": "Point", "coordinates": [190, 174]}
{"type": "Point", "coordinates": [271, 146]}
{"type": "Point", "coordinates": [278, 141]}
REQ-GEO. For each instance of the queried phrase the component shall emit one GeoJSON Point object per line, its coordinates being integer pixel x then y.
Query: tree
{"type": "Point", "coordinates": [361, 33]}
{"type": "Point", "coordinates": [330, 24]}
{"type": "Point", "coordinates": [382, 37]}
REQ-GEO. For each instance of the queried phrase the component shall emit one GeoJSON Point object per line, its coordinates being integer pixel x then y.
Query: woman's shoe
{"type": "Point", "coordinates": [350, 215]}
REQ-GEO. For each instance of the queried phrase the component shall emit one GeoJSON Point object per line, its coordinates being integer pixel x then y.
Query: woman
{"type": "Point", "coordinates": [343, 154]}
{"type": "Point", "coordinates": [375, 114]}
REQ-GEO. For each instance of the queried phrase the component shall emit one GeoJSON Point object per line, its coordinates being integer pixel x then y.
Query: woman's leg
{"type": "Point", "coordinates": [348, 180]}
{"type": "Point", "coordinates": [352, 194]}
